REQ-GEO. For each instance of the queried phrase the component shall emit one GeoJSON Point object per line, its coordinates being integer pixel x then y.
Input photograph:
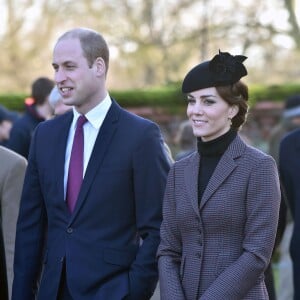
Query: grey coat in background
{"type": "Point", "coordinates": [12, 172]}
{"type": "Point", "coordinates": [220, 250]}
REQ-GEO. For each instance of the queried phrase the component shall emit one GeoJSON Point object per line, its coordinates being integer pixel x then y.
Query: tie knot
{"type": "Point", "coordinates": [81, 120]}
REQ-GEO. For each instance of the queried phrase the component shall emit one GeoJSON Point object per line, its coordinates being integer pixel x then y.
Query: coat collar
{"type": "Point", "coordinates": [224, 168]}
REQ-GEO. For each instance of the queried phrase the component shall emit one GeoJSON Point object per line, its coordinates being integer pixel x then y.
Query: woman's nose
{"type": "Point", "coordinates": [198, 108]}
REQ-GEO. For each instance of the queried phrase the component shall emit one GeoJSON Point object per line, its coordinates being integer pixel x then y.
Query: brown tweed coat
{"type": "Point", "coordinates": [219, 251]}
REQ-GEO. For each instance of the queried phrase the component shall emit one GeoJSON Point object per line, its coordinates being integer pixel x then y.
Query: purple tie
{"type": "Point", "coordinates": [75, 174]}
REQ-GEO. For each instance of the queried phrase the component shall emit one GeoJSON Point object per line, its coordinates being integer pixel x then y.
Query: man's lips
{"type": "Point", "coordinates": [65, 91]}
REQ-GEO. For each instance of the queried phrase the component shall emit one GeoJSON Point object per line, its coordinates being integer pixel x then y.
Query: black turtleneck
{"type": "Point", "coordinates": [210, 154]}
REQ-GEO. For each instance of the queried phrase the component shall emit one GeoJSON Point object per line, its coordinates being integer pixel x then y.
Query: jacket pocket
{"type": "Point", "coordinates": [119, 257]}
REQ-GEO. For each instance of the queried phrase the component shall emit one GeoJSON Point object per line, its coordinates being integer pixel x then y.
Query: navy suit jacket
{"type": "Point", "coordinates": [289, 167]}
{"type": "Point", "coordinates": [109, 242]}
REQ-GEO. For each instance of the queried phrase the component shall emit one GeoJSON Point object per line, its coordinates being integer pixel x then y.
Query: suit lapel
{"type": "Point", "coordinates": [102, 142]}
{"type": "Point", "coordinates": [224, 168]}
{"type": "Point", "coordinates": [63, 125]}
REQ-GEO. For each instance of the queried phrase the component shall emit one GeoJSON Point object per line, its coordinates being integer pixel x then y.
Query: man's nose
{"type": "Point", "coordinates": [60, 76]}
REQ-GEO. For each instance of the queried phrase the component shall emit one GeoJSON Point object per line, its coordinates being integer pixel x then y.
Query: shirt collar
{"type": "Point", "coordinates": [96, 115]}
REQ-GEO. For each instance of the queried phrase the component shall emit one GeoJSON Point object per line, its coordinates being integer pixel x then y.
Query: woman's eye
{"type": "Point", "coordinates": [209, 101]}
{"type": "Point", "coordinates": [190, 100]}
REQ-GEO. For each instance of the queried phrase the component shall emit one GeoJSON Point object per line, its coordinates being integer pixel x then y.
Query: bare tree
{"type": "Point", "coordinates": [295, 29]}
{"type": "Point", "coordinates": [153, 43]}
{"type": "Point", "coordinates": [27, 35]}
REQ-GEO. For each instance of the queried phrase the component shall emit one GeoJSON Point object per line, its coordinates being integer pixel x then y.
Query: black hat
{"type": "Point", "coordinates": [223, 69]}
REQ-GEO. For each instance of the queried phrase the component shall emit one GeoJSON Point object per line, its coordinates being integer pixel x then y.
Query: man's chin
{"type": "Point", "coordinates": [68, 101]}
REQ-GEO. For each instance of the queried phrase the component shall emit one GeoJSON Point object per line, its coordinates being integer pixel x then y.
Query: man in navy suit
{"type": "Point", "coordinates": [289, 166]}
{"type": "Point", "coordinates": [104, 248]}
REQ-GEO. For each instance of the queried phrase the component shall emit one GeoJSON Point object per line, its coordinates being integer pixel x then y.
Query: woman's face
{"type": "Point", "coordinates": [209, 115]}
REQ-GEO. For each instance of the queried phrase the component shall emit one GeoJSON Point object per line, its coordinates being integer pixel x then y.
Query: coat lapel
{"type": "Point", "coordinates": [224, 168]}
{"type": "Point", "coordinates": [191, 180]}
{"type": "Point", "coordinates": [102, 142]}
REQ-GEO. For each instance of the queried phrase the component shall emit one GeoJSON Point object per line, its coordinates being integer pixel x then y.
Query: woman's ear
{"type": "Point", "coordinates": [233, 111]}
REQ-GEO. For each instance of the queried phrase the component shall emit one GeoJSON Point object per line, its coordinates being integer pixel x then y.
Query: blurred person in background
{"type": "Point", "coordinates": [221, 203]}
{"type": "Point", "coordinates": [37, 109]}
{"type": "Point", "coordinates": [290, 121]}
{"type": "Point", "coordinates": [56, 102]}
{"type": "Point", "coordinates": [289, 166]}
{"type": "Point", "coordinates": [7, 118]}
{"type": "Point", "coordinates": [186, 140]}
{"type": "Point", "coordinates": [12, 172]}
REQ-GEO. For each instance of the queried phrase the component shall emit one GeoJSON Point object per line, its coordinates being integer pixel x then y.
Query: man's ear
{"type": "Point", "coordinates": [100, 66]}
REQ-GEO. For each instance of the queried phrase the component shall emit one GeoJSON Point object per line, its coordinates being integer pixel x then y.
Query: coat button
{"type": "Point", "coordinates": [69, 230]}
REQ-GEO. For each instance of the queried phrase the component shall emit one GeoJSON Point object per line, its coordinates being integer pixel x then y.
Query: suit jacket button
{"type": "Point", "coordinates": [69, 230]}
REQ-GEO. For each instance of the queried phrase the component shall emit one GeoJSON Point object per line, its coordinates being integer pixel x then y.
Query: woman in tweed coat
{"type": "Point", "coordinates": [221, 203]}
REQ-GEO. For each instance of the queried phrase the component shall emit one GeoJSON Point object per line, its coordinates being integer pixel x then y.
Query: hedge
{"type": "Point", "coordinates": [273, 92]}
{"type": "Point", "coordinates": [168, 97]}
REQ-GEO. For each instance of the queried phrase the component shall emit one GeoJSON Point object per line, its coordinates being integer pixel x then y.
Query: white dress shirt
{"type": "Point", "coordinates": [91, 129]}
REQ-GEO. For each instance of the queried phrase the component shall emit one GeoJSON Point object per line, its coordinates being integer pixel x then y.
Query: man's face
{"type": "Point", "coordinates": [77, 82]}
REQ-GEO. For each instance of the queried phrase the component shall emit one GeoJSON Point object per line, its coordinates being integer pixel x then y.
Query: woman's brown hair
{"type": "Point", "coordinates": [236, 94]}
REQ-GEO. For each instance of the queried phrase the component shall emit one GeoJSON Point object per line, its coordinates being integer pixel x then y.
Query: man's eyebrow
{"type": "Point", "coordinates": [67, 62]}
